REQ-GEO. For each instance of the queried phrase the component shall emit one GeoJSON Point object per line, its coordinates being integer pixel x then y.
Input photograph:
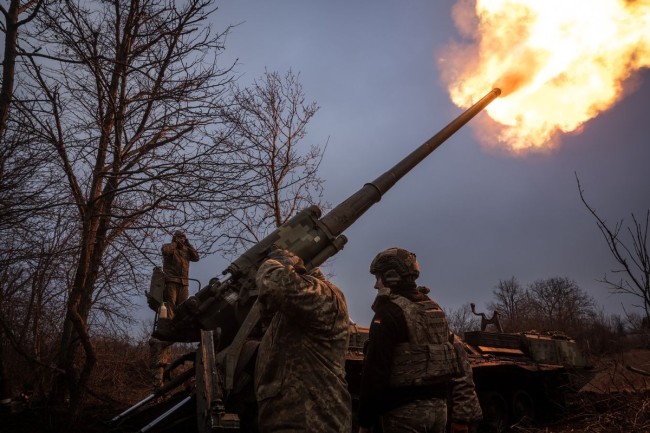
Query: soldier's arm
{"type": "Point", "coordinates": [283, 289]}
{"type": "Point", "coordinates": [193, 255]}
{"type": "Point", "coordinates": [465, 407]}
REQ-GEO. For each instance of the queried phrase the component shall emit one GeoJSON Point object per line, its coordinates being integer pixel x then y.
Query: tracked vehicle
{"type": "Point", "coordinates": [520, 377]}
{"type": "Point", "coordinates": [524, 376]}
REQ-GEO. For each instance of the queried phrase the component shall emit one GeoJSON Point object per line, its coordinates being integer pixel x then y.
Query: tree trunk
{"type": "Point", "coordinates": [8, 64]}
{"type": "Point", "coordinates": [75, 331]}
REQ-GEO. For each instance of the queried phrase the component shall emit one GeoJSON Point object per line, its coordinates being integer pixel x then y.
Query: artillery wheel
{"type": "Point", "coordinates": [495, 412]}
{"type": "Point", "coordinates": [523, 407]}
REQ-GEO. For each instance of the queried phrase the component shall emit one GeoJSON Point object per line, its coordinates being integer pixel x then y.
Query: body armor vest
{"type": "Point", "coordinates": [429, 357]}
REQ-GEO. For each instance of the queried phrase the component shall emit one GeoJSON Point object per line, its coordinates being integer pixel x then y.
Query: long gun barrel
{"type": "Point", "coordinates": [226, 304]}
{"type": "Point", "coordinates": [346, 213]}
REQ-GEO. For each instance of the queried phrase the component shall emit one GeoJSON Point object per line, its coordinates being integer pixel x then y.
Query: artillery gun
{"type": "Point", "coordinates": [223, 317]}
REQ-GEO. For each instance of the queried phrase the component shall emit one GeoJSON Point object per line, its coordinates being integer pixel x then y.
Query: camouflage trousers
{"type": "Point", "coordinates": [175, 293]}
{"type": "Point", "coordinates": [159, 357]}
{"type": "Point", "coordinates": [419, 416]}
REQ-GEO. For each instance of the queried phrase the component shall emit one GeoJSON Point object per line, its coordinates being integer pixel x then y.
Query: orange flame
{"type": "Point", "coordinates": [558, 63]}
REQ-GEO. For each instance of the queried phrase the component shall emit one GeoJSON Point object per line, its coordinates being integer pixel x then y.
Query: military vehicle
{"type": "Point", "coordinates": [521, 378]}
{"type": "Point", "coordinates": [524, 377]}
{"type": "Point", "coordinates": [223, 317]}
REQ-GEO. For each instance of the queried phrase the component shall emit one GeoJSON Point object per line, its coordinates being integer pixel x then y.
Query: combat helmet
{"type": "Point", "coordinates": [394, 266]}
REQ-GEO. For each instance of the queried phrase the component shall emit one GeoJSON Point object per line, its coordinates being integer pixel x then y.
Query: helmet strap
{"type": "Point", "coordinates": [391, 278]}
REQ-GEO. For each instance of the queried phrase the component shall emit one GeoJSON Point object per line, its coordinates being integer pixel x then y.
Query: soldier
{"type": "Point", "coordinates": [413, 363]}
{"type": "Point", "coordinates": [300, 371]}
{"type": "Point", "coordinates": [176, 265]}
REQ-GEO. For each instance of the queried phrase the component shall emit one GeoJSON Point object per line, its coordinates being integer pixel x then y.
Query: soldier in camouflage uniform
{"type": "Point", "coordinates": [176, 265]}
{"type": "Point", "coordinates": [413, 364]}
{"type": "Point", "coordinates": [300, 371]}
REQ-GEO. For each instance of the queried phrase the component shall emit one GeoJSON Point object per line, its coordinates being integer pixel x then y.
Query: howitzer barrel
{"type": "Point", "coordinates": [315, 239]}
{"type": "Point", "coordinates": [346, 213]}
{"type": "Point", "coordinates": [231, 306]}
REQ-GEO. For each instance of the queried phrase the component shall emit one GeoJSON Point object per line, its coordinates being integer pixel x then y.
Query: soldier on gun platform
{"type": "Point", "coordinates": [300, 371]}
{"type": "Point", "coordinates": [413, 363]}
{"type": "Point", "coordinates": [176, 265]}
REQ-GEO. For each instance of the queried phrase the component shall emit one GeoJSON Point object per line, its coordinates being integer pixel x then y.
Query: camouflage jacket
{"type": "Point", "coordinates": [300, 370]}
{"type": "Point", "coordinates": [176, 261]}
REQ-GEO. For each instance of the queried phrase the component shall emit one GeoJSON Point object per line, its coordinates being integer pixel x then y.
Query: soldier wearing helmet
{"type": "Point", "coordinates": [413, 363]}
{"type": "Point", "coordinates": [395, 267]}
{"type": "Point", "coordinates": [300, 380]}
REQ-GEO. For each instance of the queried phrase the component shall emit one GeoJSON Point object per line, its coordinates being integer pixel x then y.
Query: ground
{"type": "Point", "coordinates": [616, 400]}
{"type": "Point", "coordinates": [621, 372]}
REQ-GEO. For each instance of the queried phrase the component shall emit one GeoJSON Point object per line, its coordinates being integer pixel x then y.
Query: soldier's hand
{"type": "Point", "coordinates": [459, 428]}
{"type": "Point", "coordinates": [287, 258]}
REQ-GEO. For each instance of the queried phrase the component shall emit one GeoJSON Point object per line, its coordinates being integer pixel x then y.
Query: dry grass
{"type": "Point", "coordinates": [616, 400]}
{"type": "Point", "coordinates": [600, 413]}
{"type": "Point", "coordinates": [121, 378]}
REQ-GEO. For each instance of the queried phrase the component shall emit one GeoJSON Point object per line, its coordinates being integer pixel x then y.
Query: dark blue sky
{"type": "Point", "coordinates": [472, 216]}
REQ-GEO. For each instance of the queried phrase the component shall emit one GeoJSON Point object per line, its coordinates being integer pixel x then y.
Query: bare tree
{"type": "Point", "coordinates": [510, 300]}
{"type": "Point", "coordinates": [267, 122]}
{"type": "Point", "coordinates": [462, 320]}
{"type": "Point", "coordinates": [32, 305]}
{"type": "Point", "coordinates": [20, 158]}
{"type": "Point", "coordinates": [17, 15]}
{"type": "Point", "coordinates": [551, 304]}
{"type": "Point", "coordinates": [31, 252]}
{"type": "Point", "coordinates": [125, 94]}
{"type": "Point", "coordinates": [632, 255]}
{"type": "Point", "coordinates": [27, 260]}
{"type": "Point", "coordinates": [559, 304]}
